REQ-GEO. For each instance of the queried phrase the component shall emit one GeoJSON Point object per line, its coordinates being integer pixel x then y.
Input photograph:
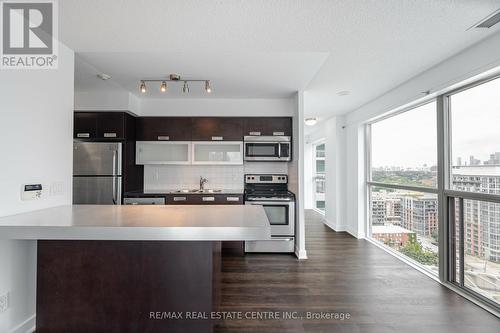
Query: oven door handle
{"type": "Point", "coordinates": [269, 203]}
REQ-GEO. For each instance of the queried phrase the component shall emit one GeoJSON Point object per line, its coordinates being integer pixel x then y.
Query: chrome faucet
{"type": "Point", "coordinates": [203, 181]}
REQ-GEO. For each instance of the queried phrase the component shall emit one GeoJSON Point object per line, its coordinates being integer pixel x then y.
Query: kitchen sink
{"type": "Point", "coordinates": [199, 191]}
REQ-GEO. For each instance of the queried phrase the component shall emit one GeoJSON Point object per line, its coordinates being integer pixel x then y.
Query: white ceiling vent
{"type": "Point", "coordinates": [489, 21]}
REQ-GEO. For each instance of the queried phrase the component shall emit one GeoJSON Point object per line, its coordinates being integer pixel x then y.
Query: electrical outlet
{"type": "Point", "coordinates": [4, 302]}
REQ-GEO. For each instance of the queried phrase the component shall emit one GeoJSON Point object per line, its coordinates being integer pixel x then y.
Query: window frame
{"type": "Point", "coordinates": [446, 195]}
{"type": "Point", "coordinates": [371, 184]}
{"type": "Point", "coordinates": [449, 195]}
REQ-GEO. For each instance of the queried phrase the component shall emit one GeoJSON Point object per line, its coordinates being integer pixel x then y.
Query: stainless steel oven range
{"type": "Point", "coordinates": [271, 191]}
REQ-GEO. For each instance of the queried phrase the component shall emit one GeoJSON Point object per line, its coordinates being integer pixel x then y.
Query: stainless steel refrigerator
{"type": "Point", "coordinates": [97, 173]}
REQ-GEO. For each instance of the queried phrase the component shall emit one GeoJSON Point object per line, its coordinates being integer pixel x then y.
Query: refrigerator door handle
{"type": "Point", "coordinates": [114, 163]}
{"type": "Point", "coordinates": [114, 178]}
{"type": "Point", "coordinates": [117, 191]}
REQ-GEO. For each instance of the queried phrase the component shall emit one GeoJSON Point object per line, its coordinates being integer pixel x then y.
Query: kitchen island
{"type": "Point", "coordinates": [131, 268]}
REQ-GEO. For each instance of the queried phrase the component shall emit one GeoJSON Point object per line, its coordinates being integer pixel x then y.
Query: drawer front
{"type": "Point", "coordinates": [205, 199]}
{"type": "Point", "coordinates": [144, 201]}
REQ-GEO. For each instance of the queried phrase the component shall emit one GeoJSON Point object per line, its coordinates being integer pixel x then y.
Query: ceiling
{"type": "Point", "coordinates": [270, 48]}
{"type": "Point", "coordinates": [232, 75]}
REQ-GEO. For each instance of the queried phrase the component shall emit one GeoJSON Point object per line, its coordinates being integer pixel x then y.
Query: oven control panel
{"type": "Point", "coordinates": [266, 179]}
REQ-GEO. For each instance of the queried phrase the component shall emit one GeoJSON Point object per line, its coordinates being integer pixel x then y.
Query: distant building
{"type": "Point", "coordinates": [481, 218]}
{"type": "Point", "coordinates": [379, 209]}
{"type": "Point", "coordinates": [473, 161]}
{"type": "Point", "coordinates": [420, 214]}
{"type": "Point", "coordinates": [494, 159]}
{"type": "Point", "coordinates": [393, 236]}
{"type": "Point", "coordinates": [393, 211]}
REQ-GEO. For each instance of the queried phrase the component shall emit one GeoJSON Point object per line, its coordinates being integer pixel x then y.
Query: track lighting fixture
{"type": "Point", "coordinates": [174, 78]}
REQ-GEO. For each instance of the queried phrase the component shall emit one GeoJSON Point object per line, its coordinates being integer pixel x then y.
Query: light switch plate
{"type": "Point", "coordinates": [57, 188]}
{"type": "Point", "coordinates": [4, 302]}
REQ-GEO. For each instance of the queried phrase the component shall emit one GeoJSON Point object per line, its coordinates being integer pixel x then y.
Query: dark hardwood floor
{"type": "Point", "coordinates": [343, 275]}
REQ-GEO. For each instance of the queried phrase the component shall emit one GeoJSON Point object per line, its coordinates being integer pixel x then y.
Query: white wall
{"type": "Point", "coordinates": [106, 101]}
{"type": "Point", "coordinates": [334, 170]}
{"type": "Point", "coordinates": [36, 108]}
{"type": "Point", "coordinates": [123, 100]}
{"type": "Point", "coordinates": [216, 107]}
{"type": "Point", "coordinates": [481, 57]}
{"type": "Point", "coordinates": [296, 174]}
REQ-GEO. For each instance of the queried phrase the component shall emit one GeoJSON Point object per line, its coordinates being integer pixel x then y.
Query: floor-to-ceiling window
{"type": "Point", "coordinates": [434, 187]}
{"type": "Point", "coordinates": [403, 185]}
{"type": "Point", "coordinates": [319, 177]}
{"type": "Point", "coordinates": [474, 118]}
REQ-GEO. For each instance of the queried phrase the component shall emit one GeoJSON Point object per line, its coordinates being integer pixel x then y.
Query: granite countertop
{"type": "Point", "coordinates": [163, 222]}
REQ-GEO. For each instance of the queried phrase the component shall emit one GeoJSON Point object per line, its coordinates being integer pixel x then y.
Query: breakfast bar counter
{"type": "Point", "coordinates": [115, 268]}
{"type": "Point", "coordinates": [166, 222]}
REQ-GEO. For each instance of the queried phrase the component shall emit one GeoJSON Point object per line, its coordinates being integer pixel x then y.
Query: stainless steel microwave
{"type": "Point", "coordinates": [267, 148]}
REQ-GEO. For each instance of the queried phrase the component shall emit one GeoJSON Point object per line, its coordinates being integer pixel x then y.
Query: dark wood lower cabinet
{"type": "Point", "coordinates": [233, 248]}
{"type": "Point", "coordinates": [126, 286]}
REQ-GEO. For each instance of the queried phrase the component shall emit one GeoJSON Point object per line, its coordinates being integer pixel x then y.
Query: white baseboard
{"type": "Point", "coordinates": [356, 234]}
{"type": "Point", "coordinates": [300, 254]}
{"type": "Point", "coordinates": [27, 326]}
{"type": "Point", "coordinates": [337, 228]}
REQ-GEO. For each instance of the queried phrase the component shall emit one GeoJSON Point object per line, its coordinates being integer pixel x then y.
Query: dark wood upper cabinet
{"type": "Point", "coordinates": [85, 125]}
{"type": "Point", "coordinates": [268, 126]}
{"type": "Point", "coordinates": [103, 125]}
{"type": "Point", "coordinates": [110, 125]}
{"type": "Point", "coordinates": [121, 125]}
{"type": "Point", "coordinates": [217, 128]}
{"type": "Point", "coordinates": [164, 129]}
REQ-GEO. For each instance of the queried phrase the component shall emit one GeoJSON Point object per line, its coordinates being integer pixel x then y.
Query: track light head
{"type": "Point", "coordinates": [208, 89]}
{"type": "Point", "coordinates": [185, 88]}
{"type": "Point", "coordinates": [143, 87]}
{"type": "Point", "coordinates": [163, 87]}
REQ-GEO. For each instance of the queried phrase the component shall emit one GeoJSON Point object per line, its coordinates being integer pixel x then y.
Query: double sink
{"type": "Point", "coordinates": [199, 191]}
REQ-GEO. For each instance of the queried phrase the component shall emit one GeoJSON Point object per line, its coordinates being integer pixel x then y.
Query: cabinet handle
{"type": "Point", "coordinates": [278, 133]}
{"type": "Point", "coordinates": [163, 137]}
{"type": "Point", "coordinates": [233, 199]}
{"type": "Point", "coordinates": [83, 135]}
{"type": "Point", "coordinates": [217, 138]}
{"type": "Point", "coordinates": [208, 198]}
{"type": "Point", "coordinates": [179, 198]}
{"type": "Point", "coordinates": [110, 135]}
{"type": "Point", "coordinates": [253, 133]}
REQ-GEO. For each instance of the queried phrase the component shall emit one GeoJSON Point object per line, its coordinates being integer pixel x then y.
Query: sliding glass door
{"type": "Point", "coordinates": [474, 189]}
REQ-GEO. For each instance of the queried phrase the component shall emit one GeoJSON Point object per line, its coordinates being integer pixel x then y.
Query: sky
{"type": "Point", "coordinates": [409, 139]}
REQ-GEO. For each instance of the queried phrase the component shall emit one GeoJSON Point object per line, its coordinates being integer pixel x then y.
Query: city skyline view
{"type": "Point", "coordinates": [476, 136]}
{"type": "Point", "coordinates": [404, 153]}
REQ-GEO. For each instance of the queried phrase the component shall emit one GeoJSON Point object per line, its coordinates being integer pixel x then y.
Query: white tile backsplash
{"type": "Point", "coordinates": [266, 167]}
{"type": "Point", "coordinates": [164, 177]}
